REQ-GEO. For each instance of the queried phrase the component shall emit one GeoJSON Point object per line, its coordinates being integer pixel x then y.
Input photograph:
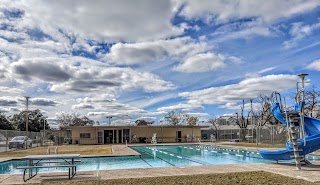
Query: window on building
{"type": "Point", "coordinates": [84, 135]}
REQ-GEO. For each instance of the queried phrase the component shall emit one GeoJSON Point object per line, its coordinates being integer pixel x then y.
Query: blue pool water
{"type": "Point", "coordinates": [155, 156]}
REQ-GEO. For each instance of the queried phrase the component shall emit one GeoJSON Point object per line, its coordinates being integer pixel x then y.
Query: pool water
{"type": "Point", "coordinates": [155, 156]}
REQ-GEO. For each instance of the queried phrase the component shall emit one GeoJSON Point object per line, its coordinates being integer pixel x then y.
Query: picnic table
{"type": "Point", "coordinates": [46, 161]}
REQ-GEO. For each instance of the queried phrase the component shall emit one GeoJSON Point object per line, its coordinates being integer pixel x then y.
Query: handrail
{"type": "Point", "coordinates": [287, 119]}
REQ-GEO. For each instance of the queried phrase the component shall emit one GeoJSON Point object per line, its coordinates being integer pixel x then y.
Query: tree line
{"type": "Point", "coordinates": [36, 121]}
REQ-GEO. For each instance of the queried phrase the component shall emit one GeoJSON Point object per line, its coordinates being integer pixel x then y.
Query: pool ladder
{"type": "Point", "coordinates": [55, 150]}
{"type": "Point", "coordinates": [294, 120]}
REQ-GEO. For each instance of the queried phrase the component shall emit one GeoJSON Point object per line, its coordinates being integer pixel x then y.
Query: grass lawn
{"type": "Point", "coordinates": [227, 178]}
{"type": "Point", "coordinates": [245, 144]}
{"type": "Point", "coordinates": [64, 149]}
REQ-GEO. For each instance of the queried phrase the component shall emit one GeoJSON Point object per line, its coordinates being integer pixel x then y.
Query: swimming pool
{"type": "Point", "coordinates": [156, 156]}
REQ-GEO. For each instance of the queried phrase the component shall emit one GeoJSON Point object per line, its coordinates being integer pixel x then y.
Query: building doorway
{"type": "Point", "coordinates": [120, 136]}
{"type": "Point", "coordinates": [100, 138]}
{"type": "Point", "coordinates": [108, 136]}
{"type": "Point", "coordinates": [178, 136]}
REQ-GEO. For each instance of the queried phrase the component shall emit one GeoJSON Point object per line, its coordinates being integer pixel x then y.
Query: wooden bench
{"type": "Point", "coordinates": [51, 166]}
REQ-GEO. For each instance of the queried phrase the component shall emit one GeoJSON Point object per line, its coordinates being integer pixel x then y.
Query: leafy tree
{"type": "Point", "coordinates": [35, 121]}
{"type": "Point", "coordinates": [192, 121]}
{"type": "Point", "coordinates": [74, 119]}
{"type": "Point", "coordinates": [5, 123]}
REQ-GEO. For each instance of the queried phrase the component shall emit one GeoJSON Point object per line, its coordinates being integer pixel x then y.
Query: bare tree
{"type": "Point", "coordinates": [192, 120]}
{"type": "Point", "coordinates": [263, 114]}
{"type": "Point", "coordinates": [214, 124]}
{"type": "Point", "coordinates": [242, 120]}
{"type": "Point", "coordinates": [73, 119]}
{"type": "Point", "coordinates": [312, 100]}
{"type": "Point", "coordinates": [174, 117]}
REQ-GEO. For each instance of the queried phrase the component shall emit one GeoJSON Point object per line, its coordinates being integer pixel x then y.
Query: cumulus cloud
{"type": "Point", "coordinates": [10, 90]}
{"type": "Point", "coordinates": [247, 89]}
{"type": "Point", "coordinates": [143, 52]}
{"type": "Point", "coordinates": [105, 21]}
{"type": "Point", "coordinates": [113, 78]}
{"type": "Point", "coordinates": [298, 32]}
{"type": "Point", "coordinates": [104, 98]}
{"type": "Point", "coordinates": [9, 109]}
{"type": "Point", "coordinates": [83, 106]}
{"type": "Point", "coordinates": [315, 65]}
{"type": "Point", "coordinates": [222, 11]}
{"type": "Point", "coordinates": [202, 63]}
{"type": "Point", "coordinates": [8, 101]}
{"type": "Point", "coordinates": [41, 70]}
{"type": "Point", "coordinates": [44, 102]}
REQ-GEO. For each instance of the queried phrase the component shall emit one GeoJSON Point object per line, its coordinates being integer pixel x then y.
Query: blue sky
{"type": "Point", "coordinates": [142, 59]}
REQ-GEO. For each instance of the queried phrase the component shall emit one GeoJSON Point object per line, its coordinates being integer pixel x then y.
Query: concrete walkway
{"type": "Point", "coordinates": [309, 173]}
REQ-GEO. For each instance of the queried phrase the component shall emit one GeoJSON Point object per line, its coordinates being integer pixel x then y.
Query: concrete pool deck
{"type": "Point", "coordinates": [308, 173]}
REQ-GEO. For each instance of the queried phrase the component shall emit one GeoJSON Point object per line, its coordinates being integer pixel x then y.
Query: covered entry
{"type": "Point", "coordinates": [116, 136]}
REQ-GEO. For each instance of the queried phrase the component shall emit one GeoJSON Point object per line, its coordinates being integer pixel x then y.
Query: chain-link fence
{"type": "Point", "coordinates": [15, 140]}
{"type": "Point", "coordinates": [276, 134]}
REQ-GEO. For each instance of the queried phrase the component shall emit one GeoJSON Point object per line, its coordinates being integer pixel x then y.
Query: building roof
{"type": "Point", "coordinates": [128, 126]}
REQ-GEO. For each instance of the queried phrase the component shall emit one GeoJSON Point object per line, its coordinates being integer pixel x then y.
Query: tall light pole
{"type": "Point", "coordinates": [44, 128]}
{"type": "Point", "coordinates": [302, 131]}
{"type": "Point", "coordinates": [109, 119]}
{"type": "Point", "coordinates": [27, 117]}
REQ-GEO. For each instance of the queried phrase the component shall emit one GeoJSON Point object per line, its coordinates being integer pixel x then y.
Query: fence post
{"type": "Point", "coordinates": [6, 140]}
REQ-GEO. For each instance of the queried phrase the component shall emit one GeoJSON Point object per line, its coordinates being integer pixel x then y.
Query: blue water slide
{"type": "Point", "coordinates": [312, 130]}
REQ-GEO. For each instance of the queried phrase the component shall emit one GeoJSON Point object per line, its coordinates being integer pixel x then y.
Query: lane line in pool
{"type": "Point", "coordinates": [147, 153]}
{"type": "Point", "coordinates": [191, 159]}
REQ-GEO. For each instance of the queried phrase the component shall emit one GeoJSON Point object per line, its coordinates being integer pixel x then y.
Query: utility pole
{"type": "Point", "coordinates": [27, 117]}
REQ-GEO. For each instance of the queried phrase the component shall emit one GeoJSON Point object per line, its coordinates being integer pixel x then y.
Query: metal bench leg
{"type": "Point", "coordinates": [24, 175]}
{"type": "Point", "coordinates": [30, 177]}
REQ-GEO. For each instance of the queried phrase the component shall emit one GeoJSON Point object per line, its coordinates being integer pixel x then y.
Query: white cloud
{"type": "Point", "coordinates": [180, 106]}
{"type": "Point", "coordinates": [149, 101]}
{"type": "Point", "coordinates": [236, 106]}
{"type": "Point", "coordinates": [315, 65]}
{"type": "Point", "coordinates": [266, 70]}
{"type": "Point", "coordinates": [113, 78]}
{"type": "Point", "coordinates": [104, 114]}
{"type": "Point", "coordinates": [83, 106]}
{"type": "Point", "coordinates": [221, 11]}
{"type": "Point", "coordinates": [10, 90]}
{"type": "Point", "coordinates": [102, 20]}
{"type": "Point", "coordinates": [144, 52]}
{"type": "Point", "coordinates": [44, 102]}
{"type": "Point", "coordinates": [10, 109]}
{"type": "Point", "coordinates": [298, 32]}
{"type": "Point", "coordinates": [148, 118]}
{"type": "Point", "coordinates": [243, 30]}
{"type": "Point", "coordinates": [247, 89]}
{"type": "Point", "coordinates": [197, 114]}
{"type": "Point", "coordinates": [201, 63]}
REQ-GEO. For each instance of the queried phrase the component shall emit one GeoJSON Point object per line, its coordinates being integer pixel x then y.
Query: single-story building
{"type": "Point", "coordinates": [132, 134]}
